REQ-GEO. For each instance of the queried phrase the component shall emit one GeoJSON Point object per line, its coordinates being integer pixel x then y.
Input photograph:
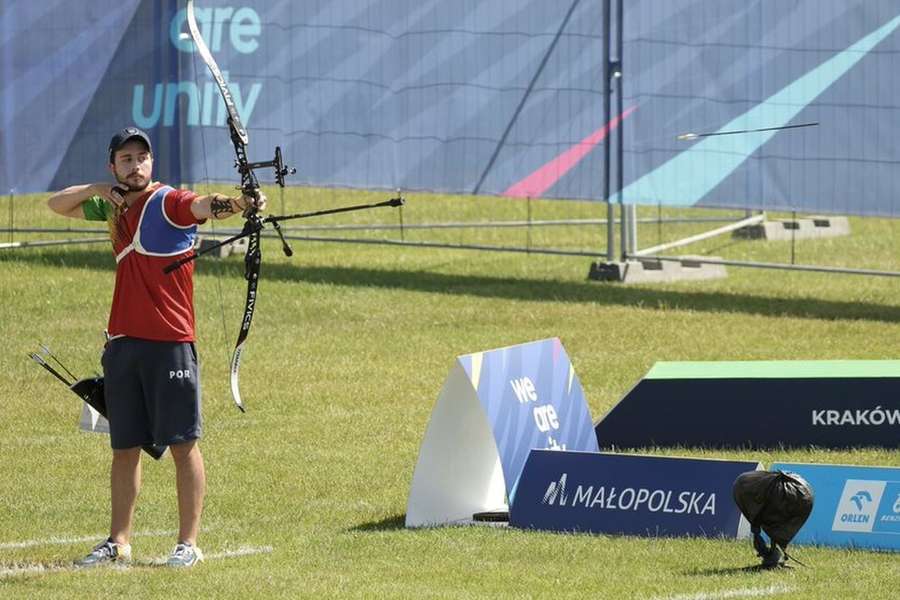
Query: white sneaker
{"type": "Point", "coordinates": [184, 555]}
{"type": "Point", "coordinates": [106, 552]}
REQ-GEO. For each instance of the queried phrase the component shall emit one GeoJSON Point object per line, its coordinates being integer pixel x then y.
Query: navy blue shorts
{"type": "Point", "coordinates": [152, 392]}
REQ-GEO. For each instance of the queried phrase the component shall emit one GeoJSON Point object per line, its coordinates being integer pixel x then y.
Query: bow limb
{"type": "Point", "coordinates": [252, 262]}
{"type": "Point", "coordinates": [249, 187]}
{"type": "Point", "coordinates": [237, 128]}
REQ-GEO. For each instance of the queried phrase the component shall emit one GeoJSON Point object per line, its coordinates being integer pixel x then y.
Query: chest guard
{"type": "Point", "coordinates": [156, 235]}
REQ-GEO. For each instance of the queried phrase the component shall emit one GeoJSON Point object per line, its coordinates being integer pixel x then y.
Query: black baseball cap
{"type": "Point", "coordinates": [122, 136]}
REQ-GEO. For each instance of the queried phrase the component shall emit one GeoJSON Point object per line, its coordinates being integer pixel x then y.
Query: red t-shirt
{"type": "Point", "coordinates": [147, 303]}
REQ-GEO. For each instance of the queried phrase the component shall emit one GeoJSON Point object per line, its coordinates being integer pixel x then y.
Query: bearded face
{"type": "Point", "coordinates": [132, 166]}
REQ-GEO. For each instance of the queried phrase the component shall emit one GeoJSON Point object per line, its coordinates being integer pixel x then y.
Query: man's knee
{"type": "Point", "coordinates": [185, 451]}
{"type": "Point", "coordinates": [125, 456]}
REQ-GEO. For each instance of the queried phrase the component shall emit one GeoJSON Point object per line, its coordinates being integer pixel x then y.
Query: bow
{"type": "Point", "coordinates": [249, 188]}
{"type": "Point", "coordinates": [253, 223]}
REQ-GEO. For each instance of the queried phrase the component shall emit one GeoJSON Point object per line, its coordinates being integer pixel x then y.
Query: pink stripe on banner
{"type": "Point", "coordinates": [544, 178]}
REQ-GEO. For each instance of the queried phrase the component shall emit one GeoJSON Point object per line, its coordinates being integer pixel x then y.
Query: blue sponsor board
{"type": "Point", "coordinates": [855, 506]}
{"type": "Point", "coordinates": [629, 494]}
{"type": "Point", "coordinates": [760, 404]}
{"type": "Point", "coordinates": [533, 399]}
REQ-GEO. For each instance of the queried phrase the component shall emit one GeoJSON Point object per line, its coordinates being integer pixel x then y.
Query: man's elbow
{"type": "Point", "coordinates": [58, 203]}
{"type": "Point", "coordinates": [199, 210]}
{"type": "Point", "coordinates": [53, 204]}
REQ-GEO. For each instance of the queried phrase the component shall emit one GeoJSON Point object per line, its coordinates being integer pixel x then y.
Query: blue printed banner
{"type": "Point", "coordinates": [833, 404]}
{"type": "Point", "coordinates": [533, 399]}
{"type": "Point", "coordinates": [854, 506]}
{"type": "Point", "coordinates": [629, 494]}
{"type": "Point", "coordinates": [500, 98]}
{"type": "Point", "coordinates": [719, 66]}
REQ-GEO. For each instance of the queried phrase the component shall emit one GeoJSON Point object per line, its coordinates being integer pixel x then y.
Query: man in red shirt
{"type": "Point", "coordinates": [150, 366]}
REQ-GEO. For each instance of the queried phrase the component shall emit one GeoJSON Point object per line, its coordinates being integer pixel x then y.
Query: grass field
{"type": "Point", "coordinates": [348, 351]}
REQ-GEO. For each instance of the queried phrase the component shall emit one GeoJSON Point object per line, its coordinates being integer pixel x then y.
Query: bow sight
{"type": "Point", "coordinates": [277, 163]}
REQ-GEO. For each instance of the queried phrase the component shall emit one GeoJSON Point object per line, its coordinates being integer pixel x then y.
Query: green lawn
{"type": "Point", "coordinates": [349, 349]}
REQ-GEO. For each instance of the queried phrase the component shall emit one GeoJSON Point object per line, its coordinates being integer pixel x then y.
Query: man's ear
{"type": "Point", "coordinates": [112, 169]}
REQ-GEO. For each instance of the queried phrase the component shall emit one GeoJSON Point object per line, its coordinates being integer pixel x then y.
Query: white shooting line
{"type": "Point", "coordinates": [40, 569]}
{"type": "Point", "coordinates": [63, 541]}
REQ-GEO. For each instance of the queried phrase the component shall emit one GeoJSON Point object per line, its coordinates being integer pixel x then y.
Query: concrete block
{"type": "Point", "coordinates": [648, 270]}
{"type": "Point", "coordinates": [798, 229]}
{"type": "Point", "coordinates": [235, 247]}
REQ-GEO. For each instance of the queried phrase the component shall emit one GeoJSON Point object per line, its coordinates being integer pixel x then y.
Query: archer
{"type": "Point", "coordinates": [150, 365]}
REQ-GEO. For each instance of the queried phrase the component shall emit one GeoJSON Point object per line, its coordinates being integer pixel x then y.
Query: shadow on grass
{"type": "Point", "coordinates": [393, 523]}
{"type": "Point", "coordinates": [100, 260]}
{"type": "Point", "coordinates": [537, 290]}
{"type": "Point", "coordinates": [735, 570]}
